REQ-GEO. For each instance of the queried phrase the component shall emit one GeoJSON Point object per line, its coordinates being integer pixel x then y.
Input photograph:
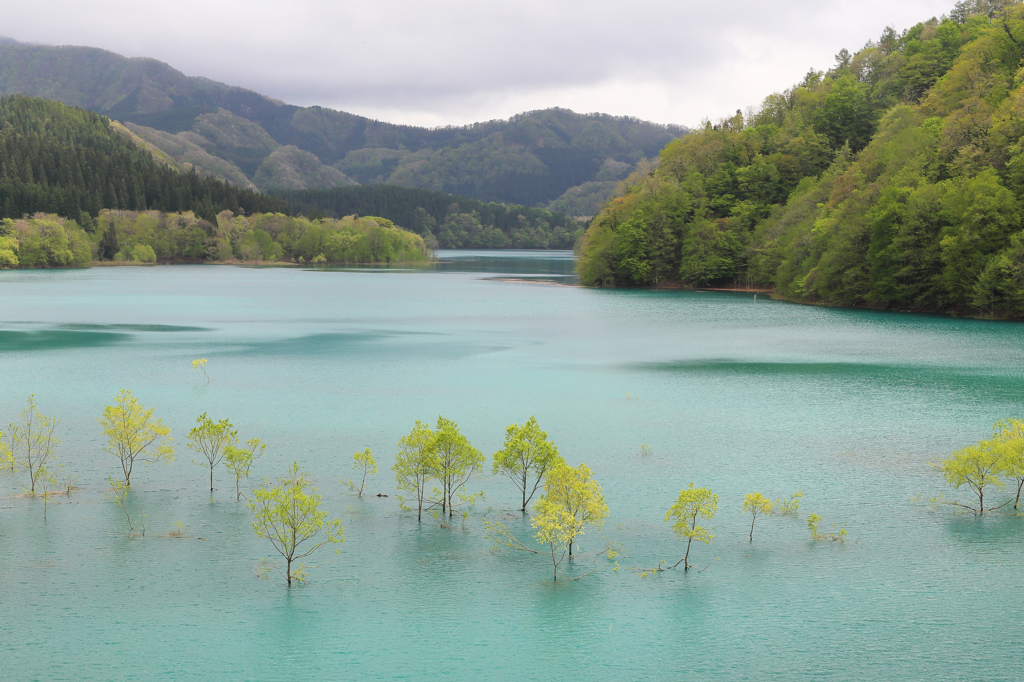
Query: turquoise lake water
{"type": "Point", "coordinates": [731, 393]}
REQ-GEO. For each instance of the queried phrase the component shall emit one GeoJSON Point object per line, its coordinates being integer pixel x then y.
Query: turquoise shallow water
{"type": "Point", "coordinates": [738, 395]}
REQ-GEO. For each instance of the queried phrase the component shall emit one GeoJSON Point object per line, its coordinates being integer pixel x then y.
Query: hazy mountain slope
{"type": "Point", "coordinates": [184, 154]}
{"type": "Point", "coordinates": [532, 158]}
{"type": "Point", "coordinates": [292, 168]}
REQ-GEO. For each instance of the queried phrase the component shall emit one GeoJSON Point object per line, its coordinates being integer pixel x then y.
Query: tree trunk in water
{"type": "Point", "coordinates": [211, 478]}
{"type": "Point", "coordinates": [1020, 482]}
{"type": "Point", "coordinates": [686, 558]}
{"type": "Point", "coordinates": [752, 528]}
{"type": "Point", "coordinates": [288, 569]}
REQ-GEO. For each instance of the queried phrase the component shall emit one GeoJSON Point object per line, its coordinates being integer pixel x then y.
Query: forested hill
{"type": "Point", "coordinates": [63, 160]}
{"type": "Point", "coordinates": [250, 140]}
{"type": "Point", "coordinates": [894, 180]}
{"type": "Point", "coordinates": [443, 220]}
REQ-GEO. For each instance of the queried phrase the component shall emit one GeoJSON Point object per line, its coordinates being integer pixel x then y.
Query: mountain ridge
{"type": "Point", "coordinates": [532, 158]}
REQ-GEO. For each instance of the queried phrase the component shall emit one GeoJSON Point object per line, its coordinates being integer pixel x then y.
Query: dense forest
{"type": "Point", "coordinates": [63, 160]}
{"type": "Point", "coordinates": [250, 140]}
{"type": "Point", "coordinates": [47, 240]}
{"type": "Point", "coordinates": [894, 180]}
{"type": "Point", "coordinates": [445, 221]}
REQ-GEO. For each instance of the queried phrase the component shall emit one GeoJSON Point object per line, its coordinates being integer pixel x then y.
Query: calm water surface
{"type": "Point", "coordinates": [731, 393]}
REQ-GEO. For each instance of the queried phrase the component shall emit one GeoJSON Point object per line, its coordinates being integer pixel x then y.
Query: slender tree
{"type": "Point", "coordinates": [210, 439]}
{"type": "Point", "coordinates": [527, 457]}
{"type": "Point", "coordinates": [455, 461]}
{"type": "Point", "coordinates": [978, 467]}
{"type": "Point", "coordinates": [575, 492]}
{"type": "Point", "coordinates": [32, 441]}
{"type": "Point", "coordinates": [238, 460]}
{"type": "Point", "coordinates": [289, 515]}
{"type": "Point", "coordinates": [415, 466]}
{"type": "Point", "coordinates": [364, 463]}
{"type": "Point", "coordinates": [692, 504]}
{"type": "Point", "coordinates": [755, 504]}
{"type": "Point", "coordinates": [133, 435]}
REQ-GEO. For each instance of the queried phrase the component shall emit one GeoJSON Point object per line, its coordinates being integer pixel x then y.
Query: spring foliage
{"type": "Point", "coordinates": [691, 505]}
{"type": "Point", "coordinates": [893, 180]}
{"type": "Point", "coordinates": [289, 516]}
{"type": "Point", "coordinates": [526, 458]}
{"type": "Point", "coordinates": [571, 502]}
{"type": "Point", "coordinates": [133, 435]}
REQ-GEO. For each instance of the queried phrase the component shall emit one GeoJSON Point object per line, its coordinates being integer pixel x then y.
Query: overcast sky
{"type": "Point", "coordinates": [439, 62]}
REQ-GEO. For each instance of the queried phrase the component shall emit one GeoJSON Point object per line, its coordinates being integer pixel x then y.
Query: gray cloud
{"type": "Point", "coordinates": [456, 61]}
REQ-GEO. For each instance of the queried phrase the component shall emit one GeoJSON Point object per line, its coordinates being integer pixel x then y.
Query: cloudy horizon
{"type": "Point", "coordinates": [454, 62]}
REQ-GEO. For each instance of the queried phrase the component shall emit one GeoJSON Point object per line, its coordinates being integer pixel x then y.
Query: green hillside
{"type": "Point", "coordinates": [894, 180]}
{"type": "Point", "coordinates": [231, 133]}
{"type": "Point", "coordinates": [443, 220]}
{"type": "Point", "coordinates": [67, 161]}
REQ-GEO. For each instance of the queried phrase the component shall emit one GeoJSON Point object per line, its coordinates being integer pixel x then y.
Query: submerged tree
{"type": "Point", "coordinates": [133, 435]}
{"type": "Point", "coordinates": [1009, 440]}
{"type": "Point", "coordinates": [978, 467]}
{"type": "Point", "coordinates": [556, 528]}
{"type": "Point", "coordinates": [289, 515]}
{"type": "Point", "coordinates": [239, 461]}
{"type": "Point", "coordinates": [455, 461]}
{"type": "Point", "coordinates": [692, 504]}
{"type": "Point", "coordinates": [527, 457]}
{"type": "Point", "coordinates": [415, 466]}
{"type": "Point", "coordinates": [364, 463]}
{"type": "Point", "coordinates": [755, 504]}
{"type": "Point", "coordinates": [31, 441]}
{"type": "Point", "coordinates": [575, 492]}
{"type": "Point", "coordinates": [200, 364]}
{"type": "Point", "coordinates": [210, 439]}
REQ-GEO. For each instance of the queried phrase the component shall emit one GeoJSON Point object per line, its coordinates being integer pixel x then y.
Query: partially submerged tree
{"type": "Point", "coordinates": [455, 461]}
{"type": "Point", "coordinates": [414, 467]}
{"type": "Point", "coordinates": [692, 504]}
{"type": "Point", "coordinates": [133, 435]}
{"type": "Point", "coordinates": [31, 441]}
{"type": "Point", "coordinates": [1009, 441]}
{"type": "Point", "coordinates": [978, 467]}
{"type": "Point", "coordinates": [238, 460]}
{"type": "Point", "coordinates": [833, 532]}
{"type": "Point", "coordinates": [756, 504]}
{"type": "Point", "coordinates": [48, 486]}
{"type": "Point", "coordinates": [557, 528]}
{"type": "Point", "coordinates": [364, 463]}
{"type": "Point", "coordinates": [119, 495]}
{"type": "Point", "coordinates": [200, 364]}
{"type": "Point", "coordinates": [526, 458]}
{"type": "Point", "coordinates": [289, 515]}
{"type": "Point", "coordinates": [210, 439]}
{"type": "Point", "coordinates": [575, 492]}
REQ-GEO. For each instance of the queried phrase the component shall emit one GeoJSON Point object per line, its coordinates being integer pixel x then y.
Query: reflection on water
{"type": "Point", "coordinates": [725, 391]}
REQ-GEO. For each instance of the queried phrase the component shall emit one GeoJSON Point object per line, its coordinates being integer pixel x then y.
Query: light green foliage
{"type": "Point", "coordinates": [526, 458]}
{"type": "Point", "coordinates": [365, 463]}
{"type": "Point", "coordinates": [289, 515]}
{"type": "Point", "coordinates": [144, 253]}
{"type": "Point", "coordinates": [978, 467]}
{"type": "Point", "coordinates": [692, 504]}
{"type": "Point", "coordinates": [133, 435]}
{"type": "Point", "coordinates": [48, 486]}
{"type": "Point", "coordinates": [6, 455]}
{"type": "Point", "coordinates": [455, 461]}
{"type": "Point", "coordinates": [756, 504]}
{"type": "Point", "coordinates": [556, 527]}
{"type": "Point", "coordinates": [788, 507]}
{"type": "Point", "coordinates": [200, 364]}
{"type": "Point", "coordinates": [210, 439]}
{"type": "Point", "coordinates": [31, 441]}
{"type": "Point", "coordinates": [833, 533]}
{"type": "Point", "coordinates": [415, 466]}
{"type": "Point", "coordinates": [1009, 440]}
{"type": "Point", "coordinates": [239, 460]}
{"type": "Point", "coordinates": [572, 501]}
{"type": "Point", "coordinates": [43, 240]}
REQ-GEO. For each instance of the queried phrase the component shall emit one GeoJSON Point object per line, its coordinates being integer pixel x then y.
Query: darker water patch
{"type": "Point", "coordinates": [988, 380]}
{"type": "Point", "coordinates": [57, 339]}
{"type": "Point", "coordinates": [159, 328]}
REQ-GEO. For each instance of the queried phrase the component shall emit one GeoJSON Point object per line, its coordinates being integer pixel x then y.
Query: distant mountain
{"type": "Point", "coordinates": [544, 157]}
